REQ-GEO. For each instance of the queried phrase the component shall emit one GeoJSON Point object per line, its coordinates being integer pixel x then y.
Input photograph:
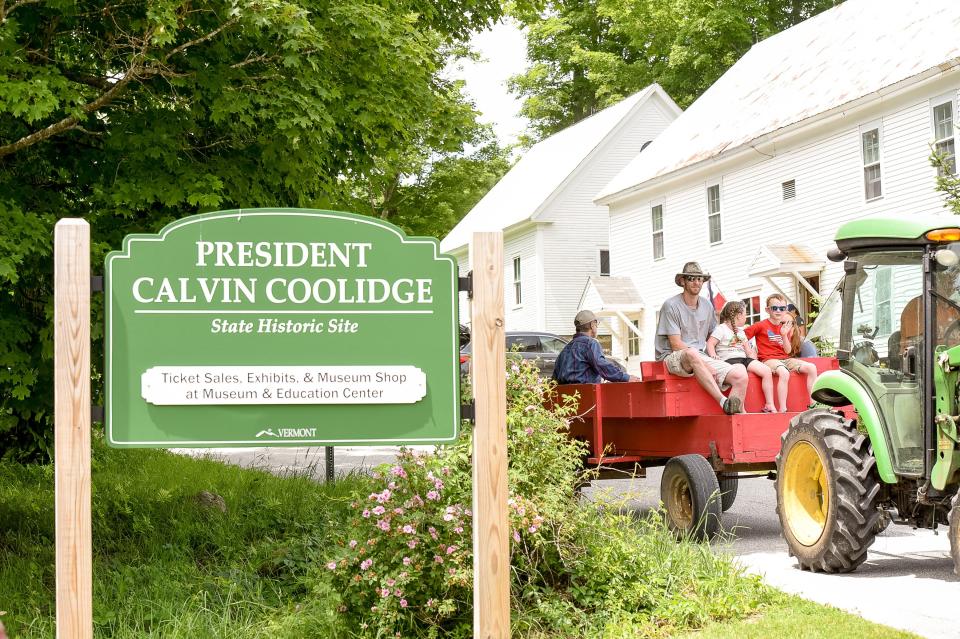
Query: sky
{"type": "Point", "coordinates": [503, 53]}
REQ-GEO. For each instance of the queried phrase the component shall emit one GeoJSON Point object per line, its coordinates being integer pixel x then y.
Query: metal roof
{"type": "Point", "coordinates": [543, 169]}
{"type": "Point", "coordinates": [839, 56]}
{"type": "Point", "coordinates": [614, 292]}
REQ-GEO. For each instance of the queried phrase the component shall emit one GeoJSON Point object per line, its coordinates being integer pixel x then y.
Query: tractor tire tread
{"type": "Point", "coordinates": [855, 491]}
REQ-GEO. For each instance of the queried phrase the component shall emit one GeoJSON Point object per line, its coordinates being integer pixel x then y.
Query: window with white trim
{"type": "Point", "coordinates": [713, 213]}
{"type": "Point", "coordinates": [656, 219]}
{"type": "Point", "coordinates": [870, 153]}
{"type": "Point", "coordinates": [944, 142]}
{"type": "Point", "coordinates": [604, 262]}
{"type": "Point", "coordinates": [633, 341]}
{"type": "Point", "coordinates": [517, 293]}
{"type": "Point", "coordinates": [752, 305]}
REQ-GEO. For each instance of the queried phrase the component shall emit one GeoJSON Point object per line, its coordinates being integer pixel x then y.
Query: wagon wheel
{"type": "Point", "coordinates": [691, 496]}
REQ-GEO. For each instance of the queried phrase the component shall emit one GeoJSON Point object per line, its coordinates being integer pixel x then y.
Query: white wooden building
{"type": "Point", "coordinates": [831, 120]}
{"type": "Point", "coordinates": [555, 237]}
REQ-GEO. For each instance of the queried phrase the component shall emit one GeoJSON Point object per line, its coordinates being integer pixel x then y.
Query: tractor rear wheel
{"type": "Point", "coordinates": [827, 488]}
{"type": "Point", "coordinates": [691, 496]}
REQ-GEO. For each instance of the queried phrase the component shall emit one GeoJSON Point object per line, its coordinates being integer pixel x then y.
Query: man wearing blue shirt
{"type": "Point", "coordinates": [582, 362]}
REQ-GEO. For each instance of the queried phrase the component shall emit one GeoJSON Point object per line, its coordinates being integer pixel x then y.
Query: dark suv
{"type": "Point", "coordinates": [543, 348]}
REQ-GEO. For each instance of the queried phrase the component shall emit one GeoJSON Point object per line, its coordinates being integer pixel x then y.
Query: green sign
{"type": "Point", "coordinates": [276, 327]}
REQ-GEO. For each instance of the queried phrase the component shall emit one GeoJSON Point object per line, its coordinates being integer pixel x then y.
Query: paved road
{"type": "Point", "coordinates": [907, 581]}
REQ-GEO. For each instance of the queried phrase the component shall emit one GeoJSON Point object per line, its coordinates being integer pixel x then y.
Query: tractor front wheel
{"type": "Point", "coordinates": [827, 488]}
{"type": "Point", "coordinates": [691, 496]}
{"type": "Point", "coordinates": [955, 533]}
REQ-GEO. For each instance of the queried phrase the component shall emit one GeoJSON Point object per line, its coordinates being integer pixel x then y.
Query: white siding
{"type": "Point", "coordinates": [829, 186]}
{"type": "Point", "coordinates": [579, 228]}
{"type": "Point", "coordinates": [522, 317]}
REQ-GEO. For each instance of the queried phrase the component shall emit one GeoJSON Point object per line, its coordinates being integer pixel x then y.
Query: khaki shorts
{"type": "Point", "coordinates": [719, 367]}
{"type": "Point", "coordinates": [791, 364]}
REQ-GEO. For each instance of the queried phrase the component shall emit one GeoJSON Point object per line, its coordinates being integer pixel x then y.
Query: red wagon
{"type": "Point", "coordinates": [670, 421]}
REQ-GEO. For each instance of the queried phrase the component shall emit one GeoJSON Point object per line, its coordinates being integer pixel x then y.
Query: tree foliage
{"type": "Point", "coordinates": [947, 181]}
{"type": "Point", "coordinates": [132, 114]}
{"type": "Point", "coordinates": [588, 54]}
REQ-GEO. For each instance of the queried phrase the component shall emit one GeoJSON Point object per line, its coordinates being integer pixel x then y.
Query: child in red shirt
{"type": "Point", "coordinates": [774, 347]}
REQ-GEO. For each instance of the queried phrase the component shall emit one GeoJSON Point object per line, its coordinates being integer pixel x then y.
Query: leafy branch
{"type": "Point", "coordinates": [947, 180]}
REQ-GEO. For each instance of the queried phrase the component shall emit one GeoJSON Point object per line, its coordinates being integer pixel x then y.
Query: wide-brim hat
{"type": "Point", "coordinates": [693, 269]}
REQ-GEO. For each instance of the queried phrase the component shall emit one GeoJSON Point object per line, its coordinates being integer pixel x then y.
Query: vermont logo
{"type": "Point", "coordinates": [297, 433]}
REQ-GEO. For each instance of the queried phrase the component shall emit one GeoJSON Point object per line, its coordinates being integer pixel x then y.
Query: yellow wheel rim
{"type": "Point", "coordinates": [806, 493]}
{"type": "Point", "coordinates": [680, 505]}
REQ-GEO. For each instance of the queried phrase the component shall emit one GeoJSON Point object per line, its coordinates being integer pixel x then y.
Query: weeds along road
{"type": "Point", "coordinates": [907, 581]}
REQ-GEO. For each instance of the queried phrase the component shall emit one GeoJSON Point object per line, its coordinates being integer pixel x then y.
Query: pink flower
{"type": "Point", "coordinates": [438, 485]}
{"type": "Point", "coordinates": [385, 592]}
{"type": "Point", "coordinates": [432, 531]}
{"type": "Point", "coordinates": [379, 510]}
{"type": "Point", "coordinates": [398, 471]}
{"type": "Point", "coordinates": [438, 559]}
{"type": "Point", "coordinates": [412, 543]}
{"type": "Point", "coordinates": [452, 571]}
{"type": "Point", "coordinates": [407, 561]}
{"type": "Point", "coordinates": [532, 529]}
{"type": "Point", "coordinates": [353, 543]}
{"type": "Point", "coordinates": [445, 470]}
{"type": "Point", "coordinates": [403, 603]}
{"type": "Point", "coordinates": [448, 517]}
{"type": "Point", "coordinates": [458, 529]}
{"type": "Point", "coordinates": [392, 485]}
{"type": "Point", "coordinates": [332, 565]}
{"type": "Point", "coordinates": [397, 593]}
{"type": "Point", "coordinates": [451, 549]}
{"type": "Point", "coordinates": [528, 431]}
{"type": "Point", "coordinates": [417, 500]}
{"type": "Point", "coordinates": [366, 563]}
{"type": "Point", "coordinates": [431, 602]}
{"type": "Point", "coordinates": [366, 513]}
{"type": "Point", "coordinates": [391, 582]}
{"type": "Point", "coordinates": [408, 529]}
{"type": "Point", "coordinates": [433, 495]}
{"type": "Point", "coordinates": [516, 536]}
{"type": "Point", "coordinates": [398, 511]}
{"type": "Point", "coordinates": [383, 524]}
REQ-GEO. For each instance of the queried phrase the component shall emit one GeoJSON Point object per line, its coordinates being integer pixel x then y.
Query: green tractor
{"type": "Point", "coordinates": [885, 446]}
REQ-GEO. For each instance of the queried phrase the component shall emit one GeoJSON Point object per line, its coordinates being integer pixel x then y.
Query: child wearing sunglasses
{"type": "Point", "coordinates": [729, 343]}
{"type": "Point", "coordinates": [774, 337]}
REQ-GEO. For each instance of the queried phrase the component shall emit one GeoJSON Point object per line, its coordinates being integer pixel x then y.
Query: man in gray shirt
{"type": "Point", "coordinates": [686, 321]}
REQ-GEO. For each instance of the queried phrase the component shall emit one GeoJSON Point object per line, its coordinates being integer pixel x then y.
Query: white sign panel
{"type": "Point", "coordinates": [209, 385]}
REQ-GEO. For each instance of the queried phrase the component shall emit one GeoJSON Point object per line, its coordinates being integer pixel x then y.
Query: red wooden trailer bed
{"type": "Point", "coordinates": [670, 420]}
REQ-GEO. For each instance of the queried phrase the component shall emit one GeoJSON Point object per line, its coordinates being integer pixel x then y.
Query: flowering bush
{"type": "Point", "coordinates": [407, 566]}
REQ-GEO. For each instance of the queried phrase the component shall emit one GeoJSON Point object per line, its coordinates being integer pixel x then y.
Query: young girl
{"type": "Point", "coordinates": [729, 343]}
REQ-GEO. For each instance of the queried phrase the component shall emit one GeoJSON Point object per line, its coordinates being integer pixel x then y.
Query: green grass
{"type": "Point", "coordinates": [163, 565]}
{"type": "Point", "coordinates": [166, 567]}
{"type": "Point", "coordinates": [798, 619]}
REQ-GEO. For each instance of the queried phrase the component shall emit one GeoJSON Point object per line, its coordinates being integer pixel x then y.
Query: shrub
{"type": "Point", "coordinates": [405, 565]}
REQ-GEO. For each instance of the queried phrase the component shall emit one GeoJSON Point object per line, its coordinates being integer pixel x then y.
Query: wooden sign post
{"type": "Point", "coordinates": [71, 317]}
{"type": "Point", "coordinates": [491, 550]}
